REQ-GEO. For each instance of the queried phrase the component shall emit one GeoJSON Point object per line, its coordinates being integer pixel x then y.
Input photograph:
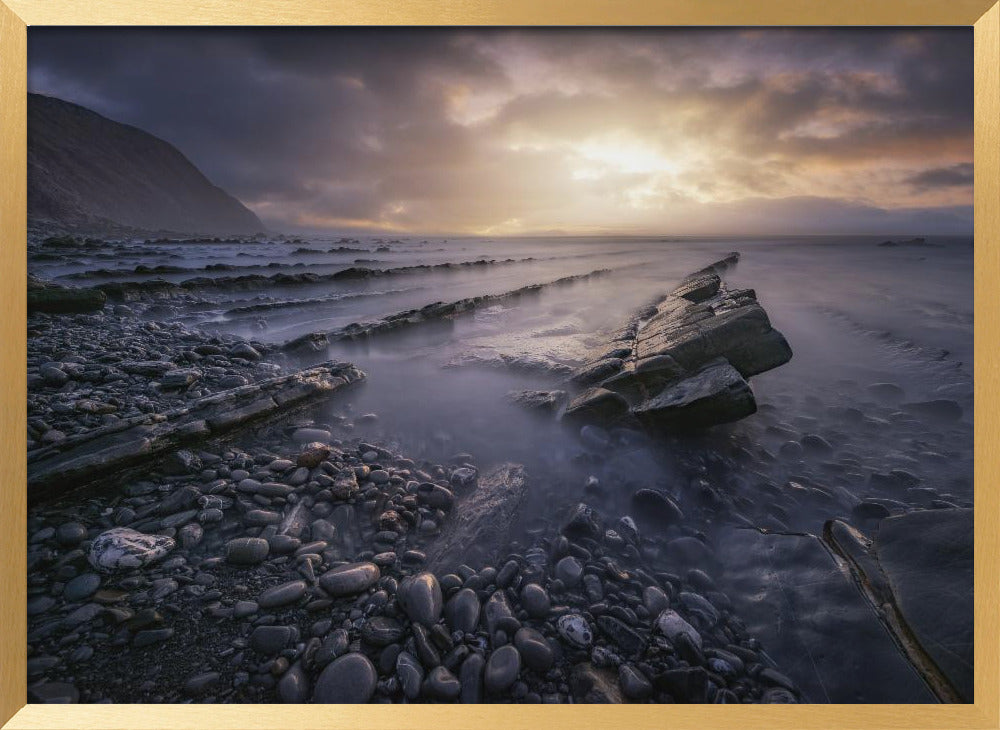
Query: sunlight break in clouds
{"type": "Point", "coordinates": [576, 131]}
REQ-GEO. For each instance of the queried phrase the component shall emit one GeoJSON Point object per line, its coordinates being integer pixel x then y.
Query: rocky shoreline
{"type": "Point", "coordinates": [201, 530]}
{"type": "Point", "coordinates": [300, 573]}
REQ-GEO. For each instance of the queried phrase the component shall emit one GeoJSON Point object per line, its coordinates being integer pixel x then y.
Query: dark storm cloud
{"type": "Point", "coordinates": [514, 130]}
{"type": "Point", "coordinates": [943, 177]}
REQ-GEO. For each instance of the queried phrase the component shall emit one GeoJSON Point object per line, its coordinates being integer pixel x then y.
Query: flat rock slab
{"type": "Point", "coordinates": [440, 312]}
{"type": "Point", "coordinates": [79, 460]}
{"type": "Point", "coordinates": [927, 559]}
{"type": "Point", "coordinates": [482, 521]}
{"type": "Point", "coordinates": [813, 620]}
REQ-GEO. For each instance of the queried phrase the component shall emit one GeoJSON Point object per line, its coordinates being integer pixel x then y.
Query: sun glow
{"type": "Point", "coordinates": [623, 155]}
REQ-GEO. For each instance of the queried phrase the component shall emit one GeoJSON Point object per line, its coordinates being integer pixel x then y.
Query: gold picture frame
{"type": "Point", "coordinates": [16, 15]}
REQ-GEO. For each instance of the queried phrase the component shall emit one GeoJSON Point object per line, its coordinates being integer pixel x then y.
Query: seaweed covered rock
{"type": "Point", "coordinates": [51, 298]}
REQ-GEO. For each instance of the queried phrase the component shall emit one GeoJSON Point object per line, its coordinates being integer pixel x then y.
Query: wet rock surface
{"type": "Point", "coordinates": [324, 604]}
{"type": "Point", "coordinates": [438, 312]}
{"type": "Point", "coordinates": [128, 434]}
{"type": "Point", "coordinates": [622, 567]}
{"type": "Point", "coordinates": [927, 560]}
{"type": "Point", "coordinates": [682, 364]}
{"type": "Point", "coordinates": [798, 607]}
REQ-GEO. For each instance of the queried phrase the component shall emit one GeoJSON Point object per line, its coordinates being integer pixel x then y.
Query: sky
{"type": "Point", "coordinates": [549, 131]}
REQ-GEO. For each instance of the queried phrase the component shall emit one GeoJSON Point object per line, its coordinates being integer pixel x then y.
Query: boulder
{"type": "Point", "coordinates": [547, 402]}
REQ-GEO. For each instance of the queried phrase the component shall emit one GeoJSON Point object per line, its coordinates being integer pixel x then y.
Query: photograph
{"type": "Point", "coordinates": [506, 365]}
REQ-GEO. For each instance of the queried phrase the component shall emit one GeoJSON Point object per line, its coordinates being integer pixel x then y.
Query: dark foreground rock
{"type": "Point", "coordinates": [78, 460]}
{"type": "Point", "coordinates": [345, 604]}
{"type": "Point", "coordinates": [51, 298]}
{"type": "Point", "coordinates": [683, 364]}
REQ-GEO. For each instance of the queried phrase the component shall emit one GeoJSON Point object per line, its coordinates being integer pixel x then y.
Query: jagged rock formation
{"type": "Point", "coordinates": [87, 172]}
{"type": "Point", "coordinates": [684, 362]}
{"type": "Point", "coordinates": [79, 460]}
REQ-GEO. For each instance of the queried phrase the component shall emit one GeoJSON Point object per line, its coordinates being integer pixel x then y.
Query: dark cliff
{"type": "Point", "coordinates": [88, 172]}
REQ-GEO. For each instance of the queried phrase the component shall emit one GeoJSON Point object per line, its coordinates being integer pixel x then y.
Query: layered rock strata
{"type": "Point", "coordinates": [683, 363]}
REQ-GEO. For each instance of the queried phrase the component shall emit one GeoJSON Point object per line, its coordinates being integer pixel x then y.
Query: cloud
{"type": "Point", "coordinates": [943, 177]}
{"type": "Point", "coordinates": [456, 130]}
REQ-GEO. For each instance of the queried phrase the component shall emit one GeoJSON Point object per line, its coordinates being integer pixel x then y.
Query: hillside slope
{"type": "Point", "coordinates": [88, 172]}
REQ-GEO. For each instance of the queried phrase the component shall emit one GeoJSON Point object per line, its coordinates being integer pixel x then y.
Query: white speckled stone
{"type": "Point", "coordinates": [122, 549]}
{"type": "Point", "coordinates": [670, 624]}
{"type": "Point", "coordinates": [574, 628]}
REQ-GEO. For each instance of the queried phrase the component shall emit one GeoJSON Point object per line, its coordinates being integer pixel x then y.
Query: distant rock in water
{"type": "Point", "coordinates": [88, 172]}
{"type": "Point", "coordinates": [910, 242]}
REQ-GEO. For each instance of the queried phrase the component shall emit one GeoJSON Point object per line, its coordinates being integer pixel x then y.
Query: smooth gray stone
{"type": "Point", "coordinates": [349, 679]}
{"type": "Point", "coordinates": [293, 688]}
{"type": "Point", "coordinates": [201, 683]}
{"type": "Point", "coordinates": [151, 636]}
{"type": "Point", "coordinates": [471, 677]}
{"type": "Point", "coordinates": [56, 693]}
{"type": "Point", "coordinates": [655, 600]}
{"type": "Point", "coordinates": [502, 669]}
{"type": "Point", "coordinates": [927, 558]}
{"type": "Point", "coordinates": [634, 684]}
{"type": "Point", "coordinates": [497, 611]}
{"type": "Point", "coordinates": [81, 587]}
{"type": "Point", "coordinates": [569, 571]}
{"type": "Point", "coordinates": [535, 600]}
{"type": "Point", "coordinates": [282, 595]}
{"type": "Point", "coordinates": [655, 509]}
{"type": "Point", "coordinates": [247, 550]}
{"type": "Point", "coordinates": [462, 611]}
{"type": "Point", "coordinates": [71, 534]}
{"type": "Point", "coordinates": [410, 673]}
{"type": "Point", "coordinates": [443, 684]}
{"type": "Point", "coordinates": [382, 631]}
{"type": "Point", "coordinates": [350, 579]}
{"type": "Point", "coordinates": [421, 598]}
{"type": "Point", "coordinates": [534, 649]}
{"type": "Point", "coordinates": [270, 640]}
{"type": "Point", "coordinates": [813, 621]}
